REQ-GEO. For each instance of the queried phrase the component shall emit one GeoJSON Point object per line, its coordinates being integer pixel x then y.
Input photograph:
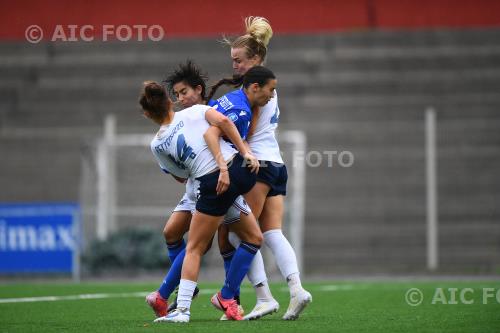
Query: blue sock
{"type": "Point", "coordinates": [239, 268]}
{"type": "Point", "coordinates": [175, 248]}
{"type": "Point", "coordinates": [173, 277]}
{"type": "Point", "coordinates": [228, 257]}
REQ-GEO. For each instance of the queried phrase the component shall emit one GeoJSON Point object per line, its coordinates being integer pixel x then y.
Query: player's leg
{"type": "Point", "coordinates": [226, 249]}
{"type": "Point", "coordinates": [174, 230]}
{"type": "Point", "coordinates": [257, 197]}
{"type": "Point", "coordinates": [266, 304]}
{"type": "Point", "coordinates": [202, 230]}
{"type": "Point", "coordinates": [251, 240]}
{"type": "Point", "coordinates": [270, 222]}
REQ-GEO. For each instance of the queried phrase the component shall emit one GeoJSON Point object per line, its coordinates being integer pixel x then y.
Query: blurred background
{"type": "Point", "coordinates": [390, 126]}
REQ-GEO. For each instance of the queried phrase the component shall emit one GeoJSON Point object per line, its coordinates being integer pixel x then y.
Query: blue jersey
{"type": "Point", "coordinates": [235, 106]}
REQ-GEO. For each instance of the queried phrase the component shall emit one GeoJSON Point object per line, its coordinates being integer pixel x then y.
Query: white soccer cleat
{"type": "Point", "coordinates": [262, 309]}
{"type": "Point", "coordinates": [179, 315]}
{"type": "Point", "coordinates": [298, 303]}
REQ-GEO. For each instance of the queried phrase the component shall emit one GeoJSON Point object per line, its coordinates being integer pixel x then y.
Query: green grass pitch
{"type": "Point", "coordinates": [337, 307]}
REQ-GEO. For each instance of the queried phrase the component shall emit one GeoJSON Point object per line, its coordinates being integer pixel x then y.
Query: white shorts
{"type": "Point", "coordinates": [188, 201]}
{"type": "Point", "coordinates": [233, 214]}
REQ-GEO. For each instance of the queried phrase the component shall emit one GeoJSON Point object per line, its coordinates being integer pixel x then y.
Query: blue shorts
{"type": "Point", "coordinates": [275, 175]}
{"type": "Point", "coordinates": [241, 181]}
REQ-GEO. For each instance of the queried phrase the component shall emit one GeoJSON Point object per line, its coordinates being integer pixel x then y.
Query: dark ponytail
{"type": "Point", "coordinates": [235, 81]}
{"type": "Point", "coordinates": [257, 74]}
{"type": "Point", "coordinates": [154, 99]}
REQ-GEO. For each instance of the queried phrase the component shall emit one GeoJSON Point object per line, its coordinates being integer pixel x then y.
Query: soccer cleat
{"type": "Point", "coordinates": [157, 303]}
{"type": "Point", "coordinates": [262, 309]}
{"type": "Point", "coordinates": [240, 309]}
{"type": "Point", "coordinates": [179, 315]}
{"type": "Point", "coordinates": [298, 302]}
{"type": "Point", "coordinates": [228, 306]}
{"type": "Point", "coordinates": [173, 306]}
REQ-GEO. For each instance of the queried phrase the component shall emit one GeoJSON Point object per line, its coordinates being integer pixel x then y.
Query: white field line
{"type": "Point", "coordinates": [204, 291]}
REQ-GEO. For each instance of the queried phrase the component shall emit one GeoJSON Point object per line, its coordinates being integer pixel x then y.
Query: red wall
{"type": "Point", "coordinates": [203, 17]}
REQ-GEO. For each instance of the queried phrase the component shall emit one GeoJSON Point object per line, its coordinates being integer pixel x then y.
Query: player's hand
{"type": "Point", "coordinates": [223, 182]}
{"type": "Point", "coordinates": [252, 162]}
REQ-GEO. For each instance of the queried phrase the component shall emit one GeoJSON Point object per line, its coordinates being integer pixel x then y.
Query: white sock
{"type": "Point", "coordinates": [263, 292]}
{"type": "Point", "coordinates": [185, 295]}
{"type": "Point", "coordinates": [282, 251]}
{"type": "Point", "coordinates": [294, 284]}
{"type": "Point", "coordinates": [256, 273]}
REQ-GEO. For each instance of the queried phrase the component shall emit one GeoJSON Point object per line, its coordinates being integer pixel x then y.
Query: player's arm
{"type": "Point", "coordinates": [228, 128]}
{"type": "Point", "coordinates": [212, 138]}
{"type": "Point", "coordinates": [179, 179]}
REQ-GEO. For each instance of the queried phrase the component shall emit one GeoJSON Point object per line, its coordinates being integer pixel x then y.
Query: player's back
{"type": "Point", "coordinates": [180, 147]}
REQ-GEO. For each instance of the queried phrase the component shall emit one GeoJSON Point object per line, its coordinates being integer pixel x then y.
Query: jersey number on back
{"type": "Point", "coordinates": [276, 116]}
{"type": "Point", "coordinates": [183, 152]}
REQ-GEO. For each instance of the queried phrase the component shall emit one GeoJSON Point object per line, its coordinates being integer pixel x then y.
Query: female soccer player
{"type": "Point", "coordinates": [267, 196]}
{"type": "Point", "coordinates": [180, 147]}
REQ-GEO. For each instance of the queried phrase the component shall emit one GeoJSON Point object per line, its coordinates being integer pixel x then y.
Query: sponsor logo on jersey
{"type": "Point", "coordinates": [243, 113]}
{"type": "Point", "coordinates": [225, 103]}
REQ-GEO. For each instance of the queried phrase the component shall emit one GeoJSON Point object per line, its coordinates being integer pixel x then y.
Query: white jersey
{"type": "Point", "coordinates": [180, 147]}
{"type": "Point", "coordinates": [263, 142]}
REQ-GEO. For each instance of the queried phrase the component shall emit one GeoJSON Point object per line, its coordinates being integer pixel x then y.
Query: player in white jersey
{"type": "Point", "coordinates": [181, 147]}
{"type": "Point", "coordinates": [267, 196]}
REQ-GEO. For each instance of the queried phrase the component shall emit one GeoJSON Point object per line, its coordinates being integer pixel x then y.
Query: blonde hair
{"type": "Point", "coordinates": [258, 33]}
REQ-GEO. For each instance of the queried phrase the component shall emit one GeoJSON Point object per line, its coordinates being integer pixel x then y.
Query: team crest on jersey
{"type": "Point", "coordinates": [233, 117]}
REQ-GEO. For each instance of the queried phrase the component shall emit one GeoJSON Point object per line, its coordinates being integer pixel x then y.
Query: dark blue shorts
{"type": "Point", "coordinates": [242, 181]}
{"type": "Point", "coordinates": [275, 175]}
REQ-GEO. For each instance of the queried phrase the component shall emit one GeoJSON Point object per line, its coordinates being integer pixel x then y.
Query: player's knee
{"type": "Point", "coordinates": [196, 248]}
{"type": "Point", "coordinates": [255, 238]}
{"type": "Point", "coordinates": [171, 234]}
{"type": "Point", "coordinates": [165, 233]}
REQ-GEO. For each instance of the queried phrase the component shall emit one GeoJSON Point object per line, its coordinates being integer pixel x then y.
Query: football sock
{"type": "Point", "coordinates": [294, 284]}
{"type": "Point", "coordinates": [282, 251]}
{"type": "Point", "coordinates": [175, 248]}
{"type": "Point", "coordinates": [263, 292]}
{"type": "Point", "coordinates": [256, 272]}
{"type": "Point", "coordinates": [173, 276]}
{"type": "Point", "coordinates": [238, 269]}
{"type": "Point", "coordinates": [185, 295]}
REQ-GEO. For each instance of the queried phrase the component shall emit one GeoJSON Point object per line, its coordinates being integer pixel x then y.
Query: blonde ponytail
{"type": "Point", "coordinates": [259, 28]}
{"type": "Point", "coordinates": [256, 38]}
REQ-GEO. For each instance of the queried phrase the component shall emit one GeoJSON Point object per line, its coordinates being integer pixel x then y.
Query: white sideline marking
{"type": "Point", "coordinates": [204, 291]}
{"type": "Point", "coordinates": [71, 297]}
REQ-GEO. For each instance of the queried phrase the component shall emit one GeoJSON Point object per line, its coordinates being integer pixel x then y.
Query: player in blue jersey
{"type": "Point", "coordinates": [267, 196]}
{"type": "Point", "coordinates": [237, 106]}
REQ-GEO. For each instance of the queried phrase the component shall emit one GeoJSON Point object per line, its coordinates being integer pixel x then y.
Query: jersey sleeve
{"type": "Point", "coordinates": [241, 119]}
